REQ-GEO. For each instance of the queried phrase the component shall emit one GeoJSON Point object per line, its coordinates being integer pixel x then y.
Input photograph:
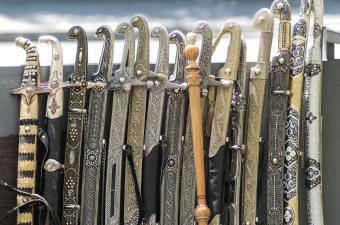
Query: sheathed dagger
{"type": "Point", "coordinates": [121, 85]}
{"type": "Point", "coordinates": [263, 21]}
{"type": "Point", "coordinates": [74, 134]}
{"type": "Point", "coordinates": [174, 128]}
{"type": "Point", "coordinates": [28, 128]}
{"type": "Point", "coordinates": [227, 75]}
{"type": "Point", "coordinates": [188, 199]}
{"type": "Point", "coordinates": [153, 128]}
{"type": "Point", "coordinates": [52, 174]}
{"type": "Point", "coordinates": [231, 212]}
{"type": "Point", "coordinates": [94, 144]}
{"type": "Point", "coordinates": [136, 123]}
{"type": "Point", "coordinates": [313, 123]}
{"type": "Point", "coordinates": [292, 152]}
{"type": "Point", "coordinates": [279, 95]}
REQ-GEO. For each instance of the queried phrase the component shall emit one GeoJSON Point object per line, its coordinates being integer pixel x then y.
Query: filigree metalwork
{"type": "Point", "coordinates": [74, 133]}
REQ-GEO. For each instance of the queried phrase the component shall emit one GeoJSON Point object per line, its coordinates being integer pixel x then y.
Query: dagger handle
{"type": "Point", "coordinates": [202, 212]}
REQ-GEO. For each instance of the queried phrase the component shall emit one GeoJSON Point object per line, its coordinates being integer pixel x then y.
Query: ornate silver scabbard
{"type": "Point", "coordinates": [153, 128]}
{"type": "Point", "coordinates": [174, 127]}
{"type": "Point", "coordinates": [292, 152]}
{"type": "Point", "coordinates": [121, 85]}
{"type": "Point", "coordinates": [279, 95]}
{"type": "Point", "coordinates": [313, 123]}
{"type": "Point", "coordinates": [136, 124]}
{"type": "Point", "coordinates": [94, 142]}
{"type": "Point", "coordinates": [74, 133]}
{"type": "Point", "coordinates": [52, 174]}
{"type": "Point", "coordinates": [263, 21]}
{"type": "Point", "coordinates": [227, 76]}
{"type": "Point", "coordinates": [234, 156]}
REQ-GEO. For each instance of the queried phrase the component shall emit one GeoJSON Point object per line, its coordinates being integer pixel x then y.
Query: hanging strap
{"type": "Point", "coordinates": [128, 150]}
{"type": "Point", "coordinates": [35, 199]}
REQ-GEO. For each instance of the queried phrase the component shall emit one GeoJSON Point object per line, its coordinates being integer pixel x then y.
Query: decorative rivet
{"type": "Point", "coordinates": [281, 60]}
{"type": "Point", "coordinates": [27, 129]}
{"type": "Point", "coordinates": [76, 31]}
{"type": "Point", "coordinates": [227, 71]}
{"type": "Point", "coordinates": [280, 5]}
{"type": "Point", "coordinates": [139, 72]}
{"type": "Point", "coordinates": [257, 71]}
{"type": "Point", "coordinates": [122, 79]}
{"type": "Point", "coordinates": [275, 160]}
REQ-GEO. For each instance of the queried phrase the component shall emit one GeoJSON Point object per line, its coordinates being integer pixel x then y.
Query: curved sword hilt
{"type": "Point", "coordinates": [162, 64]}
{"type": "Point", "coordinates": [80, 66]}
{"type": "Point", "coordinates": [281, 10]}
{"type": "Point", "coordinates": [106, 59]}
{"type": "Point", "coordinates": [54, 106]}
{"type": "Point", "coordinates": [229, 70]}
{"type": "Point", "coordinates": [141, 69]}
{"type": "Point", "coordinates": [30, 85]}
{"type": "Point", "coordinates": [204, 29]}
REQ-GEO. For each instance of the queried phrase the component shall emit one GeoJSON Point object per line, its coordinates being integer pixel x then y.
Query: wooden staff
{"type": "Point", "coordinates": [202, 212]}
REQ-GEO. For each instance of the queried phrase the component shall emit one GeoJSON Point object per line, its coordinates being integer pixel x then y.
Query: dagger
{"type": "Point", "coordinates": [264, 22]}
{"type": "Point", "coordinates": [136, 123]}
{"type": "Point", "coordinates": [234, 156]}
{"type": "Point", "coordinates": [279, 95]}
{"type": "Point", "coordinates": [94, 138]}
{"type": "Point", "coordinates": [220, 122]}
{"type": "Point", "coordinates": [52, 174]}
{"type": "Point", "coordinates": [28, 128]}
{"type": "Point", "coordinates": [202, 212]}
{"type": "Point", "coordinates": [121, 85]}
{"type": "Point", "coordinates": [291, 160]}
{"type": "Point", "coordinates": [313, 122]}
{"type": "Point", "coordinates": [174, 128]}
{"type": "Point", "coordinates": [153, 128]}
{"type": "Point", "coordinates": [74, 134]}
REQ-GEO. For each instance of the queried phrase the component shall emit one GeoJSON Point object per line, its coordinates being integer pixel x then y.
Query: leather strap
{"type": "Point", "coordinates": [128, 150]}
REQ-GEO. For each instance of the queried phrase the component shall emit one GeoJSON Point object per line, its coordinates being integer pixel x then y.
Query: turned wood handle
{"type": "Point", "coordinates": [202, 212]}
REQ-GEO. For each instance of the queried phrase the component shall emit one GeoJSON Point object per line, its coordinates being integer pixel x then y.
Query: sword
{"type": "Point", "coordinates": [279, 95]}
{"type": "Point", "coordinates": [28, 128]}
{"type": "Point", "coordinates": [154, 120]}
{"type": "Point", "coordinates": [136, 123]}
{"type": "Point", "coordinates": [74, 134]}
{"type": "Point", "coordinates": [202, 212]}
{"type": "Point", "coordinates": [174, 128]}
{"type": "Point", "coordinates": [313, 123]}
{"type": "Point", "coordinates": [188, 201]}
{"type": "Point", "coordinates": [121, 85]}
{"type": "Point", "coordinates": [292, 151]}
{"type": "Point", "coordinates": [52, 174]}
{"type": "Point", "coordinates": [94, 145]}
{"type": "Point", "coordinates": [263, 21]}
{"type": "Point", "coordinates": [227, 76]}
{"type": "Point", "coordinates": [231, 212]}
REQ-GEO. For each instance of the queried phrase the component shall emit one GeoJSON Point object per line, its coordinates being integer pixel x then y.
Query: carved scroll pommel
{"type": "Point", "coordinates": [162, 63]}
{"type": "Point", "coordinates": [263, 20]}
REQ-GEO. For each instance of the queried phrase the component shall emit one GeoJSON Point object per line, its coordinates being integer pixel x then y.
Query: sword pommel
{"type": "Point", "coordinates": [178, 38]}
{"type": "Point", "coordinates": [281, 10]}
{"type": "Point", "coordinates": [142, 56]}
{"type": "Point", "coordinates": [162, 63]}
{"type": "Point", "coordinates": [263, 20]}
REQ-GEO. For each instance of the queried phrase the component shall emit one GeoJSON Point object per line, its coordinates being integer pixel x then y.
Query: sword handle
{"type": "Point", "coordinates": [202, 212]}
